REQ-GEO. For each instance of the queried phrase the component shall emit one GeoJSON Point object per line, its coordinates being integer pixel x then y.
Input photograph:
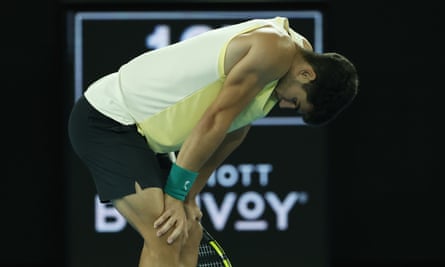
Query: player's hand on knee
{"type": "Point", "coordinates": [193, 212]}
{"type": "Point", "coordinates": [173, 217]}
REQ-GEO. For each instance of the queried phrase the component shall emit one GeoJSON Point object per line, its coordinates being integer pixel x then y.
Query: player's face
{"type": "Point", "coordinates": [294, 97]}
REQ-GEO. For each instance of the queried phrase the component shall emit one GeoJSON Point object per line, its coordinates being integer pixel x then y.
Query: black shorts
{"type": "Point", "coordinates": [116, 155]}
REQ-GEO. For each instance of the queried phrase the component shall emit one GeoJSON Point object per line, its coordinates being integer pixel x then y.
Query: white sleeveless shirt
{"type": "Point", "coordinates": [166, 91]}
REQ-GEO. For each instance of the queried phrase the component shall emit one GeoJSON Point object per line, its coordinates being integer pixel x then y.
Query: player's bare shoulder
{"type": "Point", "coordinates": [271, 48]}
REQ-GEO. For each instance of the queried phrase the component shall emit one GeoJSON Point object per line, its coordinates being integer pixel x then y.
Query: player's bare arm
{"type": "Point", "coordinates": [229, 144]}
{"type": "Point", "coordinates": [256, 59]}
{"type": "Point", "coordinates": [252, 60]}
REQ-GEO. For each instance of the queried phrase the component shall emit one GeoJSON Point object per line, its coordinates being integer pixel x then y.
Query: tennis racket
{"type": "Point", "coordinates": [211, 254]}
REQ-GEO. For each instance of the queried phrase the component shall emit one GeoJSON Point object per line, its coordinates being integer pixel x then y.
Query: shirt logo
{"type": "Point", "coordinates": [187, 185]}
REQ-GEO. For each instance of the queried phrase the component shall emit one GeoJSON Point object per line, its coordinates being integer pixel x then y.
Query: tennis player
{"type": "Point", "coordinates": [197, 98]}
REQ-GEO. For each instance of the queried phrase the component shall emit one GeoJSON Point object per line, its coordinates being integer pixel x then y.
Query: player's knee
{"type": "Point", "coordinates": [190, 249]}
{"type": "Point", "coordinates": [195, 233]}
{"type": "Point", "coordinates": [163, 252]}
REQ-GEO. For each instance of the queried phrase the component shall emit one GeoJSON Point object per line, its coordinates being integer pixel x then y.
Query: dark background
{"type": "Point", "coordinates": [385, 193]}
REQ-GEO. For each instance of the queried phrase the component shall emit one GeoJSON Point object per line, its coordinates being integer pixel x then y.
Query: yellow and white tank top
{"type": "Point", "coordinates": [166, 91]}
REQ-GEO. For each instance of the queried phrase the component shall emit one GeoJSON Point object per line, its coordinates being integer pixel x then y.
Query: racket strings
{"type": "Point", "coordinates": [208, 257]}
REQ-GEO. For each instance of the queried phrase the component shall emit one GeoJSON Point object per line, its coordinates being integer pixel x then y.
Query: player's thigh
{"type": "Point", "coordinates": [141, 209]}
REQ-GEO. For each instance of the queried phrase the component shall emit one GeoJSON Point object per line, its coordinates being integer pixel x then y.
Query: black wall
{"type": "Point", "coordinates": [386, 201]}
{"type": "Point", "coordinates": [32, 196]}
{"type": "Point", "coordinates": [388, 205]}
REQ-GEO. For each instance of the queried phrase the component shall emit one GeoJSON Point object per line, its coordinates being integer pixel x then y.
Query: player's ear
{"type": "Point", "coordinates": [306, 74]}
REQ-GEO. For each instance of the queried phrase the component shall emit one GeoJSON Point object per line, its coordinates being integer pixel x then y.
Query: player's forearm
{"type": "Point", "coordinates": [204, 140]}
{"type": "Point", "coordinates": [204, 174]}
{"type": "Point", "coordinates": [201, 144]}
{"type": "Point", "coordinates": [229, 144]}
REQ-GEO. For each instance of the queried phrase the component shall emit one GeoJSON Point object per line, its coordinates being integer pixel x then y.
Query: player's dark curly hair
{"type": "Point", "coordinates": [333, 89]}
